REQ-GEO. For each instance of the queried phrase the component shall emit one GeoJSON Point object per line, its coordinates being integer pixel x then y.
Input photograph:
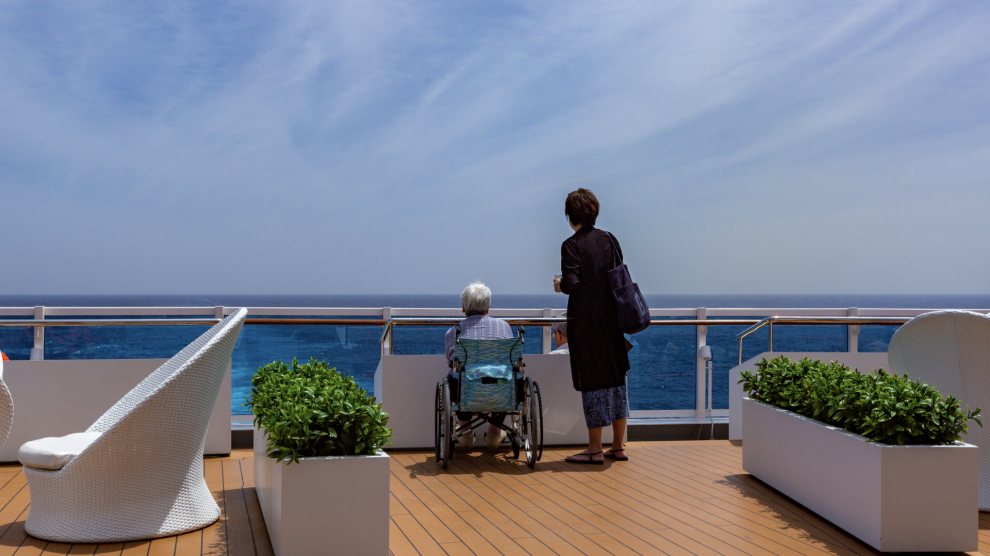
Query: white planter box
{"type": "Point", "coordinates": [894, 498]}
{"type": "Point", "coordinates": [333, 505]}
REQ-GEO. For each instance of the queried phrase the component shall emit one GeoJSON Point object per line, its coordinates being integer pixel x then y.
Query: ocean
{"type": "Point", "coordinates": [663, 360]}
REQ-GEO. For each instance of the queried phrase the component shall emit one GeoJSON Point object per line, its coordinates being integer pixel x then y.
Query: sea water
{"type": "Point", "coordinates": [662, 376]}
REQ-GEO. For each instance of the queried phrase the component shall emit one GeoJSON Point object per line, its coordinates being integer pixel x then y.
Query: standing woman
{"type": "Point", "coordinates": [599, 360]}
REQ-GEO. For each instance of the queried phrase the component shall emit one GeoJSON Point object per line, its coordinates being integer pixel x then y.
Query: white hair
{"type": "Point", "coordinates": [560, 326]}
{"type": "Point", "coordinates": [476, 299]}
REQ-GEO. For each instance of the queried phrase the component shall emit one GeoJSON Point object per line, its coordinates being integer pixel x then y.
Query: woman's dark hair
{"type": "Point", "coordinates": [581, 207]}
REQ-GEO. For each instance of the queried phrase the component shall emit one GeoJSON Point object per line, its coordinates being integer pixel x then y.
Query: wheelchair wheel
{"type": "Point", "coordinates": [532, 424]}
{"type": "Point", "coordinates": [437, 431]}
{"type": "Point", "coordinates": [538, 424]}
{"type": "Point", "coordinates": [516, 445]}
{"type": "Point", "coordinates": [446, 426]}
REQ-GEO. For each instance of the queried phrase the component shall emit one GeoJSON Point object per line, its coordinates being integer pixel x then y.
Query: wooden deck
{"type": "Point", "coordinates": [670, 498]}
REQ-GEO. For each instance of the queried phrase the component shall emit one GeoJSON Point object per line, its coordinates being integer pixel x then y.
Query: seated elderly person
{"type": "Point", "coordinates": [476, 299]}
{"type": "Point", "coordinates": [559, 331]}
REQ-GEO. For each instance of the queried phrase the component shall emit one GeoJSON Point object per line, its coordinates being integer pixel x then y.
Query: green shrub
{"type": "Point", "coordinates": [883, 407]}
{"type": "Point", "coordinates": [311, 410]}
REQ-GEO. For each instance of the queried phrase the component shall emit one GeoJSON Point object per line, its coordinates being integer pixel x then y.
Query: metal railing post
{"type": "Point", "coordinates": [38, 351]}
{"type": "Point", "coordinates": [547, 335]}
{"type": "Point", "coordinates": [700, 371]}
{"type": "Point", "coordinates": [852, 332]}
{"type": "Point", "coordinates": [387, 333]}
{"type": "Point", "coordinates": [218, 312]}
{"type": "Point", "coordinates": [770, 346]}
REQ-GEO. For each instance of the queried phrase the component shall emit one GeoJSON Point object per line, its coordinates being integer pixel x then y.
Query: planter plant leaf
{"type": "Point", "coordinates": [311, 410]}
{"type": "Point", "coordinates": [881, 406]}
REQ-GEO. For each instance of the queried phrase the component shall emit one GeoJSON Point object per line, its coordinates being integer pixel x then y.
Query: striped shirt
{"type": "Point", "coordinates": [478, 327]}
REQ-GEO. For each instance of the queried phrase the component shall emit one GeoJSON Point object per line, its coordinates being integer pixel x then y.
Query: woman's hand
{"type": "Point", "coordinates": [556, 285]}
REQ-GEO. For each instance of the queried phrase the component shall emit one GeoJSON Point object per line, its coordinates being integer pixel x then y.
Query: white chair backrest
{"type": "Point", "coordinates": [226, 331]}
{"type": "Point", "coordinates": [6, 408]}
{"type": "Point", "coordinates": [949, 350]}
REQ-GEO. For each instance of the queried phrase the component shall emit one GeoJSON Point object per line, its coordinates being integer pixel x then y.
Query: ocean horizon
{"type": "Point", "coordinates": [663, 361]}
{"type": "Point", "coordinates": [499, 301]}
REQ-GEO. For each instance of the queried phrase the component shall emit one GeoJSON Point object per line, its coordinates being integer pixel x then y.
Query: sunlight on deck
{"type": "Point", "coordinates": [670, 498]}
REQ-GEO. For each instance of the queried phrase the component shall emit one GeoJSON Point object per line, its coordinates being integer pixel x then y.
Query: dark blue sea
{"type": "Point", "coordinates": [663, 360]}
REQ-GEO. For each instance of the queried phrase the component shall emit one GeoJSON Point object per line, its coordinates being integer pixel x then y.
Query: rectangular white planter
{"type": "Point", "coordinates": [332, 505]}
{"type": "Point", "coordinates": [894, 498]}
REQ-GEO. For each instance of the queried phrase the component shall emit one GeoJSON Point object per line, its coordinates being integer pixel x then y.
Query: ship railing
{"type": "Point", "coordinates": [391, 317]}
{"type": "Point", "coordinates": [809, 321]}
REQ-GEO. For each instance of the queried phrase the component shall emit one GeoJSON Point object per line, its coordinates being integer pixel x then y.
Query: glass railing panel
{"type": "Point", "coordinates": [662, 368]}
{"type": "Point", "coordinates": [352, 350]}
{"type": "Point", "coordinates": [418, 340]}
{"type": "Point", "coordinates": [810, 338]}
{"type": "Point", "coordinates": [875, 338]}
{"type": "Point", "coordinates": [662, 376]}
{"type": "Point", "coordinates": [118, 342]}
{"type": "Point", "coordinates": [16, 342]}
{"type": "Point", "coordinates": [725, 355]}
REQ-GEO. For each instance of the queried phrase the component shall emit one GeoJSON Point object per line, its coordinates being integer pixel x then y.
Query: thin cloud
{"type": "Point", "coordinates": [354, 139]}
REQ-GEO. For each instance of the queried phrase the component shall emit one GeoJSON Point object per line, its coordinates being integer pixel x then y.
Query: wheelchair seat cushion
{"type": "Point", "coordinates": [479, 372]}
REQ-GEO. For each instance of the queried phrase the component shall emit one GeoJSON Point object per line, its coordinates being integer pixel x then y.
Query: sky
{"type": "Point", "coordinates": [412, 147]}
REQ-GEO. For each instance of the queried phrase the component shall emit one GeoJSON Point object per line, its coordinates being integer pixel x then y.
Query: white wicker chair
{"type": "Point", "coordinates": [6, 408]}
{"type": "Point", "coordinates": [950, 350]}
{"type": "Point", "coordinates": [143, 477]}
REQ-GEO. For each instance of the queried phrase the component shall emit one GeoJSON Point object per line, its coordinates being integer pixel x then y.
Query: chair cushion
{"type": "Point", "coordinates": [55, 452]}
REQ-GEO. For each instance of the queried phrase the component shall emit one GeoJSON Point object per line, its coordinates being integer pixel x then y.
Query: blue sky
{"type": "Point", "coordinates": [410, 147]}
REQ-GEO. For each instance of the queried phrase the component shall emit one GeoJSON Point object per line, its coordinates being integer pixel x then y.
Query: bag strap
{"type": "Point", "coordinates": [615, 252]}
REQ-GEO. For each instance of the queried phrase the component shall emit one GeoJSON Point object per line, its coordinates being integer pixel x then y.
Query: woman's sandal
{"type": "Point", "coordinates": [583, 461]}
{"type": "Point", "coordinates": [611, 455]}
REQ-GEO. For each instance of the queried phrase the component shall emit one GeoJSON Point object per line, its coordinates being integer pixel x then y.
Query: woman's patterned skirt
{"type": "Point", "coordinates": [601, 407]}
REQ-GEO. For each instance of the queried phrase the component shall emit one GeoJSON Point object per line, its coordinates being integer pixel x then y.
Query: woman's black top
{"type": "Point", "coordinates": [598, 348]}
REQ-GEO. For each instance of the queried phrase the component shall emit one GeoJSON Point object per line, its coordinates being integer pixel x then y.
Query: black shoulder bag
{"type": "Point", "coordinates": [634, 315]}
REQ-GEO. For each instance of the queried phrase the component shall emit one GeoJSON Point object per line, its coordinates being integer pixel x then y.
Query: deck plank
{"type": "Point", "coordinates": [136, 548]}
{"type": "Point", "coordinates": [31, 547]}
{"type": "Point", "coordinates": [189, 544]}
{"type": "Point", "coordinates": [215, 536]}
{"type": "Point", "coordinates": [398, 544]}
{"type": "Point", "coordinates": [585, 507]}
{"type": "Point", "coordinates": [12, 521]}
{"type": "Point", "coordinates": [57, 548]}
{"type": "Point", "coordinates": [676, 498]}
{"type": "Point", "coordinates": [162, 547]}
{"type": "Point", "coordinates": [449, 481]}
{"type": "Point", "coordinates": [707, 526]}
{"type": "Point", "coordinates": [508, 503]}
{"type": "Point", "coordinates": [421, 513]}
{"type": "Point", "coordinates": [417, 535]}
{"type": "Point", "coordinates": [259, 531]}
{"type": "Point", "coordinates": [239, 536]}
{"type": "Point", "coordinates": [666, 471]}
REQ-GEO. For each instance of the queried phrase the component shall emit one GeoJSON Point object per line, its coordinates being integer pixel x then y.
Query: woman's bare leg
{"type": "Point", "coordinates": [594, 440]}
{"type": "Point", "coordinates": [618, 435]}
{"type": "Point", "coordinates": [594, 451]}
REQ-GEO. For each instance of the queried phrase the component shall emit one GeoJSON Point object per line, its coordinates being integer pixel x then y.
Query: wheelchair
{"type": "Point", "coordinates": [488, 378]}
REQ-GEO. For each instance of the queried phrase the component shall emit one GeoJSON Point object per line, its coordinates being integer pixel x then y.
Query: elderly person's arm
{"type": "Point", "coordinates": [449, 339]}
